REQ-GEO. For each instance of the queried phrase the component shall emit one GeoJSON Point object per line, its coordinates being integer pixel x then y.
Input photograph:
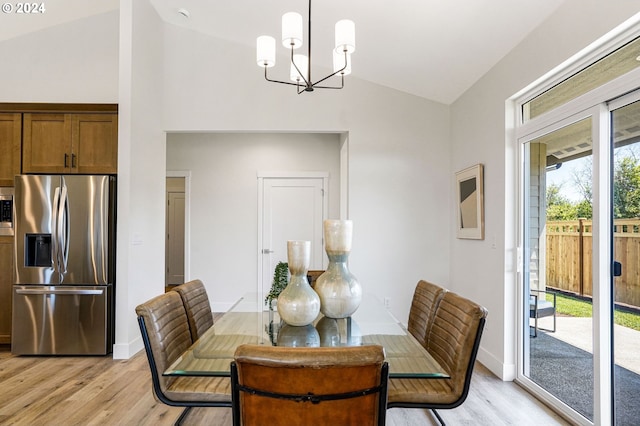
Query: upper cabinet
{"type": "Point", "coordinates": [70, 143]}
{"type": "Point", "coordinates": [10, 139]}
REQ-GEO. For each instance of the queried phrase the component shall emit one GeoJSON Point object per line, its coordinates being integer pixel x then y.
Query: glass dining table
{"type": "Point", "coordinates": [248, 323]}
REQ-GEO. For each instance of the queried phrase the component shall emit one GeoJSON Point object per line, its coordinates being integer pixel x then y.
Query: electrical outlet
{"type": "Point", "coordinates": [387, 302]}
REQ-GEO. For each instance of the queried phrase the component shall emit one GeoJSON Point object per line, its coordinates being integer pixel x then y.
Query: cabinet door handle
{"type": "Point", "coordinates": [73, 161]}
{"type": "Point", "coordinates": [66, 156]}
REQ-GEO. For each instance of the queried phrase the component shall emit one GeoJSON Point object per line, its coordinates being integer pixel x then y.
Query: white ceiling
{"type": "Point", "coordinates": [435, 49]}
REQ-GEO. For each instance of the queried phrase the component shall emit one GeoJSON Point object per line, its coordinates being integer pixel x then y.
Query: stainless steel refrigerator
{"type": "Point", "coordinates": [63, 293]}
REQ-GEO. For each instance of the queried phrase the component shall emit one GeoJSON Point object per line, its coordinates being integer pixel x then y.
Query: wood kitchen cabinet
{"type": "Point", "coordinates": [10, 140]}
{"type": "Point", "coordinates": [6, 281]}
{"type": "Point", "coordinates": [70, 143]}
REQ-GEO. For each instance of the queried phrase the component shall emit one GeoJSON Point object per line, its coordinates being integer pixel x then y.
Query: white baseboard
{"type": "Point", "coordinates": [506, 372]}
{"type": "Point", "coordinates": [126, 351]}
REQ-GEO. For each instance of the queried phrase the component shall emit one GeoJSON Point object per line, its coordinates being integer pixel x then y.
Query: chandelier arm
{"type": "Point", "coordinates": [306, 82]}
{"type": "Point", "coordinates": [331, 75]}
{"type": "Point", "coordinates": [330, 87]}
{"type": "Point", "coordinates": [277, 81]}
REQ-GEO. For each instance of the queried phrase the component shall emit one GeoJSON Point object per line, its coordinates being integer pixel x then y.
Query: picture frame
{"type": "Point", "coordinates": [470, 202]}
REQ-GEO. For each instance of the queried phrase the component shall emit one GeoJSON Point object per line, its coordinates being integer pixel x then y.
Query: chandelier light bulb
{"type": "Point", "coordinates": [345, 36]}
{"type": "Point", "coordinates": [266, 51]}
{"type": "Point", "coordinates": [292, 30]}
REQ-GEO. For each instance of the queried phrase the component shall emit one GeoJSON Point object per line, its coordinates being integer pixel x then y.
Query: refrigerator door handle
{"type": "Point", "coordinates": [63, 229]}
{"type": "Point", "coordinates": [60, 291]}
{"type": "Point", "coordinates": [55, 255]}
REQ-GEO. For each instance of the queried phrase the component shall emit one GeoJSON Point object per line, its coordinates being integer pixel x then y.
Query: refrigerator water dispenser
{"type": "Point", "coordinates": [38, 250]}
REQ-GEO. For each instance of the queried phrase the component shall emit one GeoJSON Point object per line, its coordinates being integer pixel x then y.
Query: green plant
{"type": "Point", "coordinates": [280, 281]}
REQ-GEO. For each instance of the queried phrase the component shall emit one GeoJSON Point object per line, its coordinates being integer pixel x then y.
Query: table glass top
{"type": "Point", "coordinates": [246, 322]}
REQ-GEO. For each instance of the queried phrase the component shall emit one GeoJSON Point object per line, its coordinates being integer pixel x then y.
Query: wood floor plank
{"type": "Point", "coordinates": [86, 391]}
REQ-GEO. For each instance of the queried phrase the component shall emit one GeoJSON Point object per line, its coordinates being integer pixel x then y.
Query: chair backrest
{"type": "Point", "coordinates": [165, 332]}
{"type": "Point", "coordinates": [426, 298]}
{"type": "Point", "coordinates": [455, 337]}
{"type": "Point", "coordinates": [196, 303]}
{"type": "Point", "coordinates": [318, 386]}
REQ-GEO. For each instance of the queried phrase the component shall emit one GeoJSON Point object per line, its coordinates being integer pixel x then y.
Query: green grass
{"type": "Point", "coordinates": [567, 305]}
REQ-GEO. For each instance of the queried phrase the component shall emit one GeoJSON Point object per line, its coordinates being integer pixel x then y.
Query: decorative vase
{"type": "Point", "coordinates": [298, 304]}
{"type": "Point", "coordinates": [339, 290]}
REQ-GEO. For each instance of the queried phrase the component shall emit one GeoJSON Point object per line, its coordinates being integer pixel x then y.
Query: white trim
{"type": "Point", "coordinates": [558, 124]}
{"type": "Point", "coordinates": [344, 176]}
{"type": "Point", "coordinates": [126, 351]}
{"type": "Point", "coordinates": [292, 175]}
{"type": "Point", "coordinates": [624, 100]}
{"type": "Point", "coordinates": [186, 174]}
{"type": "Point", "coordinates": [602, 240]}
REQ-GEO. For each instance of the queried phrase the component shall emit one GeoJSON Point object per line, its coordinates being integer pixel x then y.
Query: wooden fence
{"type": "Point", "coordinates": [569, 258]}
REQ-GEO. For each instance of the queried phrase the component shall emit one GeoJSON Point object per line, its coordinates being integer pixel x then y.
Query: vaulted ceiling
{"type": "Point", "coordinates": [435, 49]}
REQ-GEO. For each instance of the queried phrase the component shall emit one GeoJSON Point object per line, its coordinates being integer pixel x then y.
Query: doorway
{"type": "Point", "coordinates": [176, 225]}
{"type": "Point", "coordinates": [292, 206]}
{"type": "Point", "coordinates": [581, 245]}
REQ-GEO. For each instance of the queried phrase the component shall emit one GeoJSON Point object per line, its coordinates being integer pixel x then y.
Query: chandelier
{"type": "Point", "coordinates": [300, 73]}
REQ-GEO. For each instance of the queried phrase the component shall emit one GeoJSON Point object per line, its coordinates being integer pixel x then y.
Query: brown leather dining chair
{"type": "Point", "coordinates": [284, 386]}
{"type": "Point", "coordinates": [165, 333]}
{"type": "Point", "coordinates": [196, 303]}
{"type": "Point", "coordinates": [453, 342]}
{"type": "Point", "coordinates": [426, 298]}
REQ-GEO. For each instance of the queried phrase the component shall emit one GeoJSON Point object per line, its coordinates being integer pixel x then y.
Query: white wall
{"type": "Point", "coordinates": [397, 148]}
{"type": "Point", "coordinates": [74, 63]}
{"type": "Point", "coordinates": [224, 197]}
{"type": "Point", "coordinates": [478, 136]}
{"type": "Point", "coordinates": [141, 171]}
{"type": "Point", "coordinates": [171, 79]}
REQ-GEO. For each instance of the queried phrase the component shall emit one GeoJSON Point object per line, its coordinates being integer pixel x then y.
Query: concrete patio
{"type": "Point", "coordinates": [578, 332]}
{"type": "Point", "coordinates": [562, 363]}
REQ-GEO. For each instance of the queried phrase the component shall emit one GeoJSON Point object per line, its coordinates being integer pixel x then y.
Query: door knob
{"type": "Point", "coordinates": [266, 251]}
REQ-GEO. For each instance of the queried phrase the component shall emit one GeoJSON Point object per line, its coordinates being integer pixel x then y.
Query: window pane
{"type": "Point", "coordinates": [606, 69]}
{"type": "Point", "coordinates": [558, 268]}
{"type": "Point", "coordinates": [626, 250]}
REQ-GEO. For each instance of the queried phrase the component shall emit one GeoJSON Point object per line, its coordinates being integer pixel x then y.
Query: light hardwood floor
{"type": "Point", "coordinates": [70, 391]}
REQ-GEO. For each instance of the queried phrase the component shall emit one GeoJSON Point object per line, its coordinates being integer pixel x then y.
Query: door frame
{"type": "Point", "coordinates": [596, 104]}
{"type": "Point", "coordinates": [282, 175]}
{"type": "Point", "coordinates": [186, 174]}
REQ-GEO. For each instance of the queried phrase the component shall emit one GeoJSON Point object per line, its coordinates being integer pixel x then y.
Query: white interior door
{"type": "Point", "coordinates": [292, 209]}
{"type": "Point", "coordinates": [175, 238]}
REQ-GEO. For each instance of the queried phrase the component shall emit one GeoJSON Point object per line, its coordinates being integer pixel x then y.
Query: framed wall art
{"type": "Point", "coordinates": [470, 203]}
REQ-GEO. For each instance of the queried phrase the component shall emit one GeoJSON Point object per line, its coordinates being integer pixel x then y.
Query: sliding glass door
{"type": "Point", "coordinates": [581, 262]}
{"type": "Point", "coordinates": [557, 278]}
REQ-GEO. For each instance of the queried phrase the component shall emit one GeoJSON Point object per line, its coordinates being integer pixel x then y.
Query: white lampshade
{"type": "Point", "coordinates": [266, 51]}
{"type": "Point", "coordinates": [303, 65]}
{"type": "Point", "coordinates": [338, 63]}
{"type": "Point", "coordinates": [345, 36]}
{"type": "Point", "coordinates": [292, 30]}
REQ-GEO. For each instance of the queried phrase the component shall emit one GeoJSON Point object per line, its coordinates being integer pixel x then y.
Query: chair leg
{"type": "Point", "coordinates": [182, 416]}
{"type": "Point", "coordinates": [435, 413]}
